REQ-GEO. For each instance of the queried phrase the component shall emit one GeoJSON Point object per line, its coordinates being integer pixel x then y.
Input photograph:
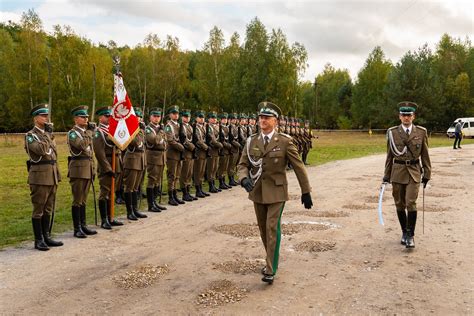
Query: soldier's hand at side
{"type": "Point", "coordinates": [306, 200]}
{"type": "Point", "coordinates": [425, 182]}
{"type": "Point", "coordinates": [142, 125]}
{"type": "Point", "coordinates": [247, 184]}
{"type": "Point", "coordinates": [386, 180]}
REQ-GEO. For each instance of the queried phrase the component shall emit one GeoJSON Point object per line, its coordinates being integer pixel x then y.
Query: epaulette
{"type": "Point", "coordinates": [421, 127]}
{"type": "Point", "coordinates": [285, 135]}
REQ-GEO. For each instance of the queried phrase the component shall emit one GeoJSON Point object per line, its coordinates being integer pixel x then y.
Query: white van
{"type": "Point", "coordinates": [467, 127]}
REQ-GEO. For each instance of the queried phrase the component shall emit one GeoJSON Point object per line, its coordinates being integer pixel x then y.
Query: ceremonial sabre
{"type": "Point", "coordinates": [382, 190]}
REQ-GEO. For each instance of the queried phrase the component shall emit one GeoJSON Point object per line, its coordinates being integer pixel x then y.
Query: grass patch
{"type": "Point", "coordinates": [15, 212]}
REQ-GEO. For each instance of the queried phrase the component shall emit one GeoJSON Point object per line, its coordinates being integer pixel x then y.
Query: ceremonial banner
{"type": "Point", "coordinates": [123, 124]}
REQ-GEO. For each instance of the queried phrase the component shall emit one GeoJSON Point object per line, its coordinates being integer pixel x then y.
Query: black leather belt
{"type": "Point", "coordinates": [43, 162]}
{"type": "Point", "coordinates": [407, 162]}
{"type": "Point", "coordinates": [79, 158]}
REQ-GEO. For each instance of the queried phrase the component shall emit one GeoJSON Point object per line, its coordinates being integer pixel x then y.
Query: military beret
{"type": "Point", "coordinates": [155, 111]}
{"type": "Point", "coordinates": [105, 110]}
{"type": "Point", "coordinates": [40, 109]}
{"type": "Point", "coordinates": [138, 112]}
{"type": "Point", "coordinates": [212, 114]}
{"type": "Point", "coordinates": [172, 109]}
{"type": "Point", "coordinates": [407, 107]}
{"type": "Point", "coordinates": [185, 112]}
{"type": "Point", "coordinates": [223, 115]}
{"type": "Point", "coordinates": [268, 109]}
{"type": "Point", "coordinates": [80, 111]}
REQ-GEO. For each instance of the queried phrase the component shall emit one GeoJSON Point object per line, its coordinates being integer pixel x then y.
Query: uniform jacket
{"type": "Point", "coordinates": [234, 135]}
{"type": "Point", "coordinates": [214, 144]}
{"type": "Point", "coordinates": [134, 157]}
{"type": "Point", "coordinates": [155, 140]}
{"type": "Point", "coordinates": [243, 134]}
{"type": "Point", "coordinates": [201, 146]}
{"type": "Point", "coordinates": [103, 149]}
{"type": "Point", "coordinates": [81, 162]}
{"type": "Point", "coordinates": [224, 139]}
{"type": "Point", "coordinates": [272, 186]}
{"type": "Point", "coordinates": [41, 147]}
{"type": "Point", "coordinates": [417, 148]}
{"type": "Point", "coordinates": [172, 137]}
{"type": "Point", "coordinates": [188, 144]}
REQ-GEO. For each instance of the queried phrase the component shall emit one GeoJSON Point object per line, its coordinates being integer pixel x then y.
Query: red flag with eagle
{"type": "Point", "coordinates": [123, 124]}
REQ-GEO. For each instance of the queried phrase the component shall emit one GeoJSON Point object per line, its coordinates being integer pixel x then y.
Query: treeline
{"type": "Point", "coordinates": [233, 75]}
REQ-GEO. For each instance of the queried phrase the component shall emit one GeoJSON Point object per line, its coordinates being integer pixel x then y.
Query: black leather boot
{"type": "Point", "coordinates": [171, 200]}
{"type": "Point", "coordinates": [45, 222]}
{"type": "Point", "coordinates": [199, 193]}
{"type": "Point", "coordinates": [150, 195]}
{"type": "Point", "coordinates": [39, 242]}
{"type": "Point", "coordinates": [113, 222]}
{"type": "Point", "coordinates": [202, 191]}
{"type": "Point", "coordinates": [104, 221]}
{"type": "Point", "coordinates": [232, 181]}
{"type": "Point", "coordinates": [175, 195]}
{"type": "Point", "coordinates": [186, 196]}
{"type": "Point", "coordinates": [119, 197]}
{"type": "Point", "coordinates": [156, 193]}
{"type": "Point", "coordinates": [136, 212]}
{"type": "Point", "coordinates": [188, 188]}
{"type": "Point", "coordinates": [128, 203]}
{"type": "Point", "coordinates": [402, 218]}
{"type": "Point", "coordinates": [159, 190]}
{"type": "Point", "coordinates": [212, 187]}
{"type": "Point", "coordinates": [411, 223]}
{"type": "Point", "coordinates": [84, 227]}
{"type": "Point", "coordinates": [222, 185]}
{"type": "Point", "coordinates": [76, 220]}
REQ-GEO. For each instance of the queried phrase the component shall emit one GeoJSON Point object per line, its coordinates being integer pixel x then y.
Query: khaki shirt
{"type": "Point", "coordinates": [41, 148]}
{"type": "Point", "coordinates": [272, 186]}
{"type": "Point", "coordinates": [416, 145]}
{"type": "Point", "coordinates": [81, 162]}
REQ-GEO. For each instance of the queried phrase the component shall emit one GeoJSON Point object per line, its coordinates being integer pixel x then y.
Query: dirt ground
{"type": "Point", "coordinates": [204, 257]}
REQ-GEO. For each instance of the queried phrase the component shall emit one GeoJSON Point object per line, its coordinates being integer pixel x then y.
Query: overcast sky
{"type": "Point", "coordinates": [340, 32]}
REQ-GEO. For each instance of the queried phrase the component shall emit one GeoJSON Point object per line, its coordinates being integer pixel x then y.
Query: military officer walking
{"type": "Point", "coordinates": [81, 168]}
{"type": "Point", "coordinates": [174, 155]}
{"type": "Point", "coordinates": [104, 149]}
{"type": "Point", "coordinates": [134, 165]}
{"type": "Point", "coordinates": [262, 170]}
{"type": "Point", "coordinates": [155, 140]}
{"type": "Point", "coordinates": [201, 154]}
{"type": "Point", "coordinates": [407, 163]}
{"type": "Point", "coordinates": [214, 147]}
{"type": "Point", "coordinates": [43, 176]}
{"type": "Point", "coordinates": [235, 149]}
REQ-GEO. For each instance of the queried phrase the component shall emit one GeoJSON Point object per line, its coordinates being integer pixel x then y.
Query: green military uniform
{"type": "Point", "coordinates": [263, 167]}
{"type": "Point", "coordinates": [43, 177]}
{"type": "Point", "coordinates": [201, 155]}
{"type": "Point", "coordinates": [155, 140]}
{"type": "Point", "coordinates": [308, 141]}
{"type": "Point", "coordinates": [407, 147]}
{"type": "Point", "coordinates": [81, 170]}
{"type": "Point", "coordinates": [134, 165]}
{"type": "Point", "coordinates": [104, 148]}
{"type": "Point", "coordinates": [174, 156]}
{"type": "Point", "coordinates": [243, 131]}
{"type": "Point", "coordinates": [235, 149]}
{"type": "Point", "coordinates": [225, 152]}
{"type": "Point", "coordinates": [186, 139]}
{"type": "Point", "coordinates": [214, 147]}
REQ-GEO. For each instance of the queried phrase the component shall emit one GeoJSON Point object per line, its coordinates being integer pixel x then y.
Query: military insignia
{"type": "Point", "coordinates": [148, 131]}
{"type": "Point", "coordinates": [256, 149]}
{"type": "Point", "coordinates": [72, 135]}
{"type": "Point", "coordinates": [97, 134]}
{"type": "Point", "coordinates": [168, 128]}
{"type": "Point", "coordinates": [29, 139]}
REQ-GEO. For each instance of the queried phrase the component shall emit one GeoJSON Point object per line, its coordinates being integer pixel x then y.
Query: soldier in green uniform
{"type": "Point", "coordinates": [214, 147]}
{"type": "Point", "coordinates": [199, 139]}
{"type": "Point", "coordinates": [186, 139]}
{"type": "Point", "coordinates": [407, 164]}
{"type": "Point", "coordinates": [262, 170]}
{"type": "Point", "coordinates": [174, 155]}
{"type": "Point", "coordinates": [43, 176]}
{"type": "Point", "coordinates": [134, 164]}
{"type": "Point", "coordinates": [235, 149]}
{"type": "Point", "coordinates": [104, 149]}
{"type": "Point", "coordinates": [81, 168]}
{"type": "Point", "coordinates": [155, 140]}
{"type": "Point", "coordinates": [225, 152]}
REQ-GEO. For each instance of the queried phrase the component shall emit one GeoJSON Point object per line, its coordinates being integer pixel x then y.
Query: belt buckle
{"type": "Point", "coordinates": [407, 162]}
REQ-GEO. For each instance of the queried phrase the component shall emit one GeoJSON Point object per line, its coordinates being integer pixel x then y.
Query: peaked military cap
{"type": "Point", "coordinates": [40, 109]}
{"type": "Point", "coordinates": [212, 114]}
{"type": "Point", "coordinates": [253, 116]}
{"type": "Point", "coordinates": [105, 110]}
{"type": "Point", "coordinates": [155, 111]}
{"type": "Point", "coordinates": [138, 112]}
{"type": "Point", "coordinates": [200, 113]}
{"type": "Point", "coordinates": [172, 109]}
{"type": "Point", "coordinates": [185, 112]}
{"type": "Point", "coordinates": [268, 109]}
{"type": "Point", "coordinates": [242, 116]}
{"type": "Point", "coordinates": [407, 107]}
{"type": "Point", "coordinates": [80, 111]}
{"type": "Point", "coordinates": [223, 115]}
{"type": "Point", "coordinates": [233, 115]}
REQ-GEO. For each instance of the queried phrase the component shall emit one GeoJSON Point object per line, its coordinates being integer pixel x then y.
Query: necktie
{"type": "Point", "coordinates": [408, 132]}
{"type": "Point", "coordinates": [265, 143]}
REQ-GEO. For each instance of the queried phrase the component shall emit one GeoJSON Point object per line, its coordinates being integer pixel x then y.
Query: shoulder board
{"type": "Point", "coordinates": [421, 127]}
{"type": "Point", "coordinates": [285, 135]}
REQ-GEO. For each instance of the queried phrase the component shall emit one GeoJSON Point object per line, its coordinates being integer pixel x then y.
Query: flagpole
{"type": "Point", "coordinates": [112, 188]}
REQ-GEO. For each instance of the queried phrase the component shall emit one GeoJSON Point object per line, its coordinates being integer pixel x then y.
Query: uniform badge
{"type": "Point", "coordinates": [97, 134]}
{"type": "Point", "coordinates": [72, 135]}
{"type": "Point", "coordinates": [148, 131]}
{"type": "Point", "coordinates": [168, 128]}
{"type": "Point", "coordinates": [29, 139]}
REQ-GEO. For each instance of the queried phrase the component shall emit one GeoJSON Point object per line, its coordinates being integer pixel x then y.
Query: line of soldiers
{"type": "Point", "coordinates": [193, 149]}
